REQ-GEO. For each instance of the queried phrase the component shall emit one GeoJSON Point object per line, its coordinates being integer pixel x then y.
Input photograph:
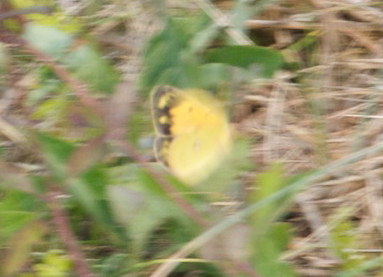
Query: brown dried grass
{"type": "Point", "coordinates": [328, 108]}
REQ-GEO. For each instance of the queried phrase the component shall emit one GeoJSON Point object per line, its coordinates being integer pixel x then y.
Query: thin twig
{"type": "Point", "coordinates": [61, 222]}
{"type": "Point", "coordinates": [36, 9]}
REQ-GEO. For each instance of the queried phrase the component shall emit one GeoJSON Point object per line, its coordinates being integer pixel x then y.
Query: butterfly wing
{"type": "Point", "coordinates": [193, 134]}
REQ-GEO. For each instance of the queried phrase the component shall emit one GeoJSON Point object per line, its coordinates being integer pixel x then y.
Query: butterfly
{"type": "Point", "coordinates": [193, 134]}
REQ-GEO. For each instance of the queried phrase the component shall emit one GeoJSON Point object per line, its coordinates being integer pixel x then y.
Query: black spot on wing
{"type": "Point", "coordinates": [163, 99]}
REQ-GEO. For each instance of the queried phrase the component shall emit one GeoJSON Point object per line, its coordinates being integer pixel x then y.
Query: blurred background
{"type": "Point", "coordinates": [81, 192]}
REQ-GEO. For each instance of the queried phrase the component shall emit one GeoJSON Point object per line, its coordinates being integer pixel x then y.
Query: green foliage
{"type": "Point", "coordinates": [268, 183]}
{"type": "Point", "coordinates": [142, 206]}
{"type": "Point", "coordinates": [60, 112]}
{"type": "Point", "coordinates": [270, 239]}
{"type": "Point", "coordinates": [54, 263]}
{"type": "Point", "coordinates": [178, 56]}
{"type": "Point", "coordinates": [16, 210]}
{"type": "Point", "coordinates": [84, 61]}
{"type": "Point", "coordinates": [345, 244]}
{"type": "Point", "coordinates": [46, 86]}
{"type": "Point", "coordinates": [267, 249]}
{"type": "Point", "coordinates": [247, 56]}
{"type": "Point", "coordinates": [113, 265]}
{"type": "Point", "coordinates": [88, 65]}
{"type": "Point", "coordinates": [56, 152]}
{"type": "Point", "coordinates": [50, 40]}
{"type": "Point", "coordinates": [52, 110]}
{"type": "Point", "coordinates": [344, 239]}
{"type": "Point", "coordinates": [306, 44]}
{"type": "Point", "coordinates": [88, 187]}
{"type": "Point", "coordinates": [167, 60]}
{"type": "Point", "coordinates": [49, 96]}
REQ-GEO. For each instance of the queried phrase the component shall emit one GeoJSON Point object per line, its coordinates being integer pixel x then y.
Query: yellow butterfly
{"type": "Point", "coordinates": [193, 135]}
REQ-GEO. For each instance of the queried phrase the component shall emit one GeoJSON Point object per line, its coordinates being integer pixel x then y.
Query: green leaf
{"type": "Point", "coordinates": [141, 205]}
{"type": "Point", "coordinates": [204, 37]}
{"type": "Point", "coordinates": [49, 40]}
{"type": "Point", "coordinates": [56, 153]}
{"type": "Point", "coordinates": [84, 61]}
{"type": "Point", "coordinates": [53, 109]}
{"type": "Point", "coordinates": [269, 183]}
{"type": "Point", "coordinates": [113, 265]}
{"type": "Point", "coordinates": [46, 86]}
{"type": "Point", "coordinates": [170, 58]}
{"type": "Point", "coordinates": [162, 55]}
{"type": "Point", "coordinates": [17, 209]}
{"type": "Point", "coordinates": [185, 74]}
{"type": "Point", "coordinates": [270, 239]}
{"type": "Point", "coordinates": [140, 211]}
{"type": "Point", "coordinates": [90, 190]}
{"type": "Point", "coordinates": [88, 65]}
{"type": "Point", "coordinates": [246, 56]}
{"type": "Point", "coordinates": [267, 250]}
{"type": "Point", "coordinates": [213, 74]}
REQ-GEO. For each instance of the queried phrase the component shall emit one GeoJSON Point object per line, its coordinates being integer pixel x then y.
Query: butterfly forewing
{"type": "Point", "coordinates": [193, 133]}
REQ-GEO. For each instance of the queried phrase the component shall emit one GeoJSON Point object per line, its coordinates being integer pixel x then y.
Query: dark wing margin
{"type": "Point", "coordinates": [162, 99]}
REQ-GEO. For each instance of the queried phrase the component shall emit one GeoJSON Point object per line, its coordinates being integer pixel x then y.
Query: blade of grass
{"type": "Point", "coordinates": [244, 10]}
{"type": "Point", "coordinates": [222, 20]}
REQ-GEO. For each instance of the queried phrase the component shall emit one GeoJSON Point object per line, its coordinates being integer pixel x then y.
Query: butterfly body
{"type": "Point", "coordinates": [193, 133]}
